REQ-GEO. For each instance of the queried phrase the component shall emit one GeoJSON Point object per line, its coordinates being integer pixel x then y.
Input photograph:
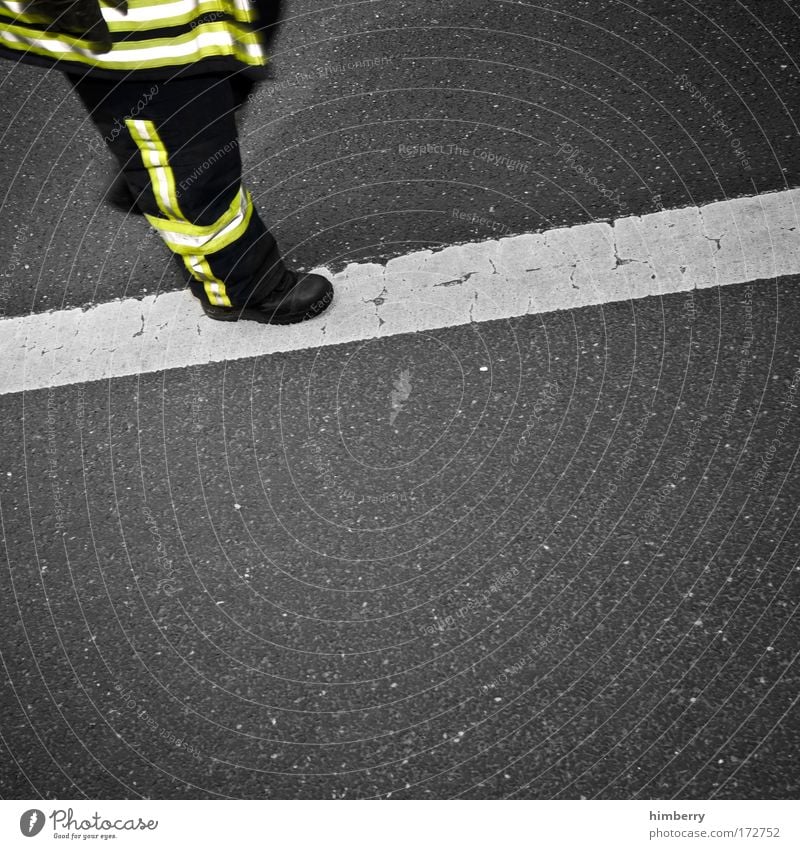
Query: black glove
{"type": "Point", "coordinates": [81, 18]}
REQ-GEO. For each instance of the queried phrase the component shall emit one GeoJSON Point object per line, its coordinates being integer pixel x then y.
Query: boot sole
{"type": "Point", "coordinates": [249, 314]}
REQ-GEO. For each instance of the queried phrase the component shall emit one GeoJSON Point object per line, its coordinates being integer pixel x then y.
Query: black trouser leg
{"type": "Point", "coordinates": [178, 149]}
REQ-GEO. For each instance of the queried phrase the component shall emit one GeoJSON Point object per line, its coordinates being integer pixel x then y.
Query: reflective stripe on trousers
{"type": "Point", "coordinates": [178, 150]}
{"type": "Point", "coordinates": [194, 242]}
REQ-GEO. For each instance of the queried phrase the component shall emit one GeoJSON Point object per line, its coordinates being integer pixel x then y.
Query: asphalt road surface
{"type": "Point", "coordinates": [549, 557]}
{"type": "Point", "coordinates": [665, 105]}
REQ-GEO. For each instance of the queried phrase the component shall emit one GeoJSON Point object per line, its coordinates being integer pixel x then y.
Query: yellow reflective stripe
{"type": "Point", "coordinates": [137, 4]}
{"type": "Point", "coordinates": [185, 238]}
{"type": "Point", "coordinates": [18, 6]}
{"type": "Point", "coordinates": [171, 43]}
{"type": "Point", "coordinates": [90, 59]}
{"type": "Point", "coordinates": [146, 10]}
{"type": "Point", "coordinates": [204, 41]}
{"type": "Point", "coordinates": [186, 19]}
{"type": "Point", "coordinates": [162, 179]}
{"type": "Point", "coordinates": [148, 14]}
{"type": "Point", "coordinates": [235, 230]}
{"type": "Point", "coordinates": [7, 12]}
{"type": "Point", "coordinates": [156, 160]}
{"type": "Point", "coordinates": [185, 228]}
{"type": "Point", "coordinates": [213, 286]}
{"type": "Point", "coordinates": [171, 14]}
{"type": "Point", "coordinates": [182, 13]}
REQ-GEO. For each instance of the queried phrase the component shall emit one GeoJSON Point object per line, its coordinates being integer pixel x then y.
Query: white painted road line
{"type": "Point", "coordinates": [720, 244]}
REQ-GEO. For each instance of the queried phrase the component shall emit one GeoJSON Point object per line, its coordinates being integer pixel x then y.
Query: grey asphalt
{"type": "Point", "coordinates": [549, 557]}
{"type": "Point", "coordinates": [329, 591]}
{"type": "Point", "coordinates": [329, 142]}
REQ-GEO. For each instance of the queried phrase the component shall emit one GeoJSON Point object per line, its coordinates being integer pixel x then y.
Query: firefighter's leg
{"type": "Point", "coordinates": [177, 146]}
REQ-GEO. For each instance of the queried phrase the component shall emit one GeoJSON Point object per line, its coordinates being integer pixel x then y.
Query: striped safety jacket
{"type": "Point", "coordinates": [154, 39]}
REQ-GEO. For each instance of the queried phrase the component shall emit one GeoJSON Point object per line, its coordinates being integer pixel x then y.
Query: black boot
{"type": "Point", "coordinates": [295, 299]}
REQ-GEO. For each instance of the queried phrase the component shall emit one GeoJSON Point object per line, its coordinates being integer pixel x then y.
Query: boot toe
{"type": "Point", "coordinates": [313, 293]}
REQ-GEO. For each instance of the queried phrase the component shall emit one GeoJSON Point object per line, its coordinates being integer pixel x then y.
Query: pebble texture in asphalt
{"type": "Point", "coordinates": [549, 557]}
